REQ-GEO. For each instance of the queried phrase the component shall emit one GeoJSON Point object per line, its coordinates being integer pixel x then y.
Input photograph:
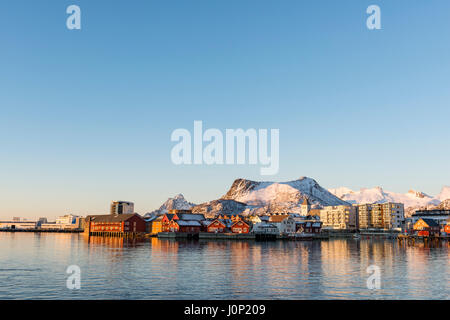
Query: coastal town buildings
{"type": "Point", "coordinates": [68, 219]}
{"type": "Point", "coordinates": [339, 217]}
{"type": "Point", "coordinates": [187, 222]}
{"type": "Point", "coordinates": [288, 225]}
{"type": "Point", "coordinates": [66, 222]}
{"type": "Point", "coordinates": [277, 218]}
{"type": "Point", "coordinates": [42, 220]}
{"type": "Point", "coordinates": [188, 226]}
{"type": "Point", "coordinates": [385, 216]}
{"type": "Point", "coordinates": [439, 215]}
{"type": "Point", "coordinates": [232, 217]}
{"type": "Point", "coordinates": [309, 227]}
{"type": "Point", "coordinates": [265, 228]}
{"type": "Point", "coordinates": [182, 221]}
{"type": "Point", "coordinates": [18, 225]}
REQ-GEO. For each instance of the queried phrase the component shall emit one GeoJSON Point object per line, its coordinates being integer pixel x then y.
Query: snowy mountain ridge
{"type": "Point", "coordinates": [178, 202]}
{"type": "Point", "coordinates": [411, 199]}
{"type": "Point", "coordinates": [249, 197]}
{"type": "Point", "coordinates": [266, 193]}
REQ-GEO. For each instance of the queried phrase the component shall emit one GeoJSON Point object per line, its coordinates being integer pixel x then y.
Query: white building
{"type": "Point", "coordinates": [287, 226]}
{"type": "Point", "coordinates": [17, 225]}
{"type": "Point", "coordinates": [66, 222]}
{"type": "Point", "coordinates": [265, 228]}
{"type": "Point", "coordinates": [305, 208]}
{"type": "Point", "coordinates": [67, 219]}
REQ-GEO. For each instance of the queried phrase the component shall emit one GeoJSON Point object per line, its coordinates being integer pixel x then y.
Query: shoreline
{"type": "Point", "coordinates": [41, 231]}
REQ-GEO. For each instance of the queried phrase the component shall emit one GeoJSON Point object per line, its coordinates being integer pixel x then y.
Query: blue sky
{"type": "Point", "coordinates": [87, 114]}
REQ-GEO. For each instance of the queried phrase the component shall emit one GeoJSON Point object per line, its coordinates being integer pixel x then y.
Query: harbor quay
{"type": "Point", "coordinates": [355, 222]}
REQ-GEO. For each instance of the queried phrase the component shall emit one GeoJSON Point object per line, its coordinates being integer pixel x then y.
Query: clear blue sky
{"type": "Point", "coordinates": [87, 115]}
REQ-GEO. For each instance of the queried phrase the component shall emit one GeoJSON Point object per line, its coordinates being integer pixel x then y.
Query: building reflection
{"type": "Point", "coordinates": [112, 242]}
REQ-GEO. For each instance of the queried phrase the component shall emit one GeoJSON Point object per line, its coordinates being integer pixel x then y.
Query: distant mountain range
{"type": "Point", "coordinates": [412, 200]}
{"type": "Point", "coordinates": [252, 197]}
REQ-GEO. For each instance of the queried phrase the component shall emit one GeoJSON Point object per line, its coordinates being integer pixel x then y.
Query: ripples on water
{"type": "Point", "coordinates": [33, 266]}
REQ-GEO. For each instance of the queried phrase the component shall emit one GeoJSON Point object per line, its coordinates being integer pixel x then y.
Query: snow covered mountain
{"type": "Point", "coordinates": [177, 202]}
{"type": "Point", "coordinates": [411, 199]}
{"type": "Point", "coordinates": [445, 194]}
{"type": "Point", "coordinates": [261, 197]}
{"type": "Point", "coordinates": [221, 206]}
{"type": "Point", "coordinates": [251, 197]}
{"type": "Point", "coordinates": [444, 205]}
{"type": "Point", "coordinates": [340, 192]}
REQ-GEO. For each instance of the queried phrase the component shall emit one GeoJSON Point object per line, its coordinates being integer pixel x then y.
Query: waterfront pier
{"type": "Point", "coordinates": [428, 241]}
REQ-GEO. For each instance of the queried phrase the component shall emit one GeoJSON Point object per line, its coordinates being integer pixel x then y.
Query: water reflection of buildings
{"type": "Point", "coordinates": [112, 242]}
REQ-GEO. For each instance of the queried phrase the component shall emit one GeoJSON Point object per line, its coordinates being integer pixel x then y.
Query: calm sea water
{"type": "Point", "coordinates": [33, 266]}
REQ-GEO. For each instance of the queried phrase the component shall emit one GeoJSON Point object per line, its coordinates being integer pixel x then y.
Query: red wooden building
{"type": "Point", "coordinates": [166, 221]}
{"type": "Point", "coordinates": [217, 226]}
{"type": "Point", "coordinates": [183, 222]}
{"type": "Point", "coordinates": [189, 226]}
{"type": "Point", "coordinates": [118, 223]}
{"type": "Point", "coordinates": [240, 227]}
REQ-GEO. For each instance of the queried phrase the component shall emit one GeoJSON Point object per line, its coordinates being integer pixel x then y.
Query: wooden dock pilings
{"type": "Point", "coordinates": [108, 234]}
{"type": "Point", "coordinates": [428, 241]}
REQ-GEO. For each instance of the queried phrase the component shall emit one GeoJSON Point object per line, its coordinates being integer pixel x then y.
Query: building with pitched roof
{"type": "Point", "coordinates": [115, 225]}
{"type": "Point", "coordinates": [439, 215]}
{"type": "Point", "coordinates": [240, 227]}
{"type": "Point", "coordinates": [427, 227]}
{"type": "Point", "coordinates": [183, 222]}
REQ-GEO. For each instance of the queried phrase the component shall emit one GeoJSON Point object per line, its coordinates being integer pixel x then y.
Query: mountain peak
{"type": "Point", "coordinates": [178, 202]}
{"type": "Point", "coordinates": [281, 194]}
{"type": "Point", "coordinates": [341, 191]}
{"type": "Point", "coordinates": [445, 193]}
{"type": "Point", "coordinates": [418, 194]}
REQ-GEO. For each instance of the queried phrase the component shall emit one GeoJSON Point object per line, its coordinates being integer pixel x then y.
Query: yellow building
{"type": "Point", "coordinates": [156, 225]}
{"type": "Point", "coordinates": [381, 215]}
{"type": "Point", "coordinates": [339, 217]}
